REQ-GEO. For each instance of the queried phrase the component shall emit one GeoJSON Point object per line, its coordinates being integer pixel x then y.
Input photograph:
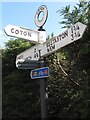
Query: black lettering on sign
{"type": "Point", "coordinates": [73, 29]}
{"type": "Point", "coordinates": [77, 27]}
{"type": "Point", "coordinates": [65, 34]}
{"type": "Point", "coordinates": [25, 33]}
{"type": "Point", "coordinates": [29, 34]}
{"type": "Point", "coordinates": [21, 32]}
{"type": "Point", "coordinates": [78, 34]}
{"type": "Point", "coordinates": [51, 48]}
{"type": "Point", "coordinates": [62, 36]}
{"type": "Point", "coordinates": [59, 37]}
{"type": "Point", "coordinates": [47, 49]}
{"type": "Point", "coordinates": [35, 53]}
{"type": "Point", "coordinates": [51, 45]}
{"type": "Point", "coordinates": [75, 32]}
{"type": "Point", "coordinates": [16, 31]}
{"type": "Point", "coordinates": [34, 50]}
{"type": "Point", "coordinates": [75, 35]}
{"type": "Point", "coordinates": [12, 30]}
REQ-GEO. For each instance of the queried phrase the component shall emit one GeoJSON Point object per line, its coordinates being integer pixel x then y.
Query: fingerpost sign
{"type": "Point", "coordinates": [43, 48]}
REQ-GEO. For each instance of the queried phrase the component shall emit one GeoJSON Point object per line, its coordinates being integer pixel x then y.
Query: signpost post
{"type": "Point", "coordinates": [38, 52]}
{"type": "Point", "coordinates": [43, 92]}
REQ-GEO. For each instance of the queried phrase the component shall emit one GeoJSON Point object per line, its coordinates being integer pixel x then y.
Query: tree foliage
{"type": "Point", "coordinates": [19, 99]}
{"type": "Point", "coordinates": [12, 49]}
{"type": "Point", "coordinates": [80, 13]}
{"type": "Point", "coordinates": [69, 84]}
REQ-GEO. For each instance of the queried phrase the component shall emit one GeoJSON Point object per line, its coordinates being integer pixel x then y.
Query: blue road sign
{"type": "Point", "coordinates": [40, 73]}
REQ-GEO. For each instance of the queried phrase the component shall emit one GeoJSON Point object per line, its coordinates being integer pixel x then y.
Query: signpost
{"type": "Point", "coordinates": [40, 73]}
{"type": "Point", "coordinates": [29, 58]}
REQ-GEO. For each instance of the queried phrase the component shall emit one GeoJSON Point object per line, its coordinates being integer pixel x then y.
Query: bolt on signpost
{"type": "Point", "coordinates": [42, 49]}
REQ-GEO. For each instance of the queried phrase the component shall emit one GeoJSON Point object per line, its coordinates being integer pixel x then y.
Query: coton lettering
{"type": "Point", "coordinates": [21, 32]}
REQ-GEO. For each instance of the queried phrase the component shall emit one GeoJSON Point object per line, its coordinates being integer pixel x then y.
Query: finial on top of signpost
{"type": "Point", "coordinates": [41, 17]}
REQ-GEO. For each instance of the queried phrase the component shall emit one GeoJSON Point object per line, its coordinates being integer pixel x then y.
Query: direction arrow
{"type": "Point", "coordinates": [29, 54]}
{"type": "Point", "coordinates": [40, 73]}
{"type": "Point", "coordinates": [24, 33]}
{"type": "Point", "coordinates": [72, 34]}
{"type": "Point", "coordinates": [75, 32]}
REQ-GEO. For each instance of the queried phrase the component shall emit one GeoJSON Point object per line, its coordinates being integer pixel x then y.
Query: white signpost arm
{"type": "Point", "coordinates": [72, 34]}
{"type": "Point", "coordinates": [30, 54]}
{"type": "Point", "coordinates": [26, 34]}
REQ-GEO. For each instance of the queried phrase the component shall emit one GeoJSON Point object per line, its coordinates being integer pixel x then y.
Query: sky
{"type": "Point", "coordinates": [22, 13]}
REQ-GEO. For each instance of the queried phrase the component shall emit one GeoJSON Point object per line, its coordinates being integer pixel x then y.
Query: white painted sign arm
{"type": "Point", "coordinates": [29, 54]}
{"type": "Point", "coordinates": [72, 34]}
{"type": "Point", "coordinates": [26, 34]}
